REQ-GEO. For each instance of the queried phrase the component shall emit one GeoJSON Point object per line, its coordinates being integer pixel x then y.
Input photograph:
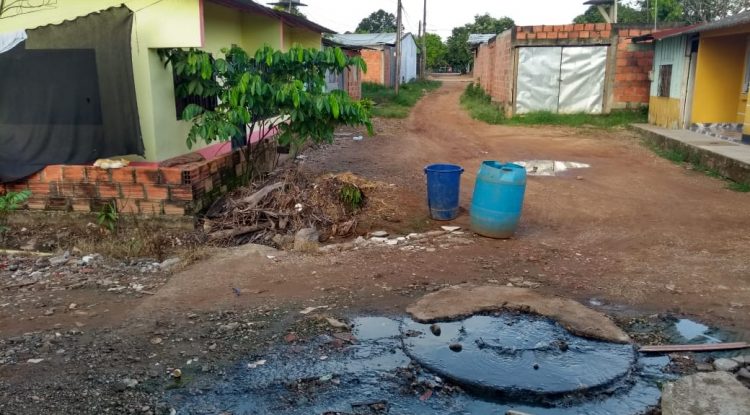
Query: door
{"type": "Point", "coordinates": [538, 79]}
{"type": "Point", "coordinates": [561, 79]}
{"type": "Point", "coordinates": [582, 71]}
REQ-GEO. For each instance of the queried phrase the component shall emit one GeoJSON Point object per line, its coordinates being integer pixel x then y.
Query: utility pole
{"type": "Point", "coordinates": [398, 47]}
{"type": "Point", "coordinates": [656, 12]}
{"type": "Point", "coordinates": [614, 12]}
{"type": "Point", "coordinates": [424, 43]}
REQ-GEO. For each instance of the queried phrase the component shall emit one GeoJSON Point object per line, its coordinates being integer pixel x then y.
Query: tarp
{"type": "Point", "coordinates": [67, 95]}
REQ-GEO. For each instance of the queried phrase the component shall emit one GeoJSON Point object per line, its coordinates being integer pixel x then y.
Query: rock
{"type": "Point", "coordinates": [704, 367]}
{"type": "Point", "coordinates": [307, 239]}
{"type": "Point", "coordinates": [450, 228]}
{"type": "Point", "coordinates": [13, 267]}
{"type": "Point", "coordinates": [715, 393]}
{"type": "Point", "coordinates": [460, 301]}
{"type": "Point", "coordinates": [176, 373]}
{"type": "Point", "coordinates": [129, 383]}
{"type": "Point", "coordinates": [35, 361]}
{"type": "Point", "coordinates": [455, 347]}
{"type": "Point", "coordinates": [744, 374]}
{"type": "Point", "coordinates": [378, 239]}
{"type": "Point", "coordinates": [60, 260]}
{"type": "Point", "coordinates": [391, 242]}
{"type": "Point", "coordinates": [379, 234]}
{"type": "Point", "coordinates": [49, 312]}
{"type": "Point", "coordinates": [336, 323]}
{"type": "Point", "coordinates": [743, 360]}
{"type": "Point", "coordinates": [168, 264]}
{"type": "Point", "coordinates": [156, 340]}
{"type": "Point", "coordinates": [726, 365]}
{"type": "Point", "coordinates": [89, 259]}
{"type": "Point", "coordinates": [229, 326]}
{"type": "Point", "coordinates": [291, 338]}
{"type": "Point", "coordinates": [435, 329]}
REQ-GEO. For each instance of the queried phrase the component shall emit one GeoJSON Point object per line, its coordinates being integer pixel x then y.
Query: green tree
{"type": "Point", "coordinates": [256, 91]}
{"type": "Point", "coordinates": [699, 11]}
{"type": "Point", "coordinates": [458, 53]}
{"type": "Point", "coordinates": [632, 12]}
{"type": "Point", "coordinates": [294, 10]}
{"type": "Point", "coordinates": [436, 51]}
{"type": "Point", "coordinates": [378, 22]}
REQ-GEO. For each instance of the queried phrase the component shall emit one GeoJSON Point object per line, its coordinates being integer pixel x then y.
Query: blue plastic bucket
{"type": "Point", "coordinates": [443, 190]}
{"type": "Point", "coordinates": [498, 199]}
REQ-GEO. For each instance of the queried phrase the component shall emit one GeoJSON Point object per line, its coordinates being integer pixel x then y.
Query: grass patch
{"type": "Point", "coordinates": [739, 187]}
{"type": "Point", "coordinates": [480, 107]}
{"type": "Point", "coordinates": [390, 105]}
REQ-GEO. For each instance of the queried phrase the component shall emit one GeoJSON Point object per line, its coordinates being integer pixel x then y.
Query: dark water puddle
{"type": "Point", "coordinates": [493, 372]}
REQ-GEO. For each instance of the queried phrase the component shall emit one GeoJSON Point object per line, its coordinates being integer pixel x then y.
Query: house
{"type": "Point", "coordinates": [575, 68]}
{"type": "Point", "coordinates": [351, 79]}
{"type": "Point", "coordinates": [701, 76]}
{"type": "Point", "coordinates": [111, 95]}
{"type": "Point", "coordinates": [380, 55]}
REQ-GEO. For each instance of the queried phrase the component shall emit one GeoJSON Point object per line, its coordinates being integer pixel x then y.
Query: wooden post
{"type": "Point", "coordinates": [398, 47]}
{"type": "Point", "coordinates": [424, 42]}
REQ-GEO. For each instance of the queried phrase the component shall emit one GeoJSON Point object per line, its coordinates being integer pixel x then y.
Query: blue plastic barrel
{"type": "Point", "coordinates": [443, 188]}
{"type": "Point", "coordinates": [498, 199]}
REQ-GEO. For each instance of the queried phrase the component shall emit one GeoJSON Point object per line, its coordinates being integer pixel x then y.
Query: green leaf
{"type": "Point", "coordinates": [334, 106]}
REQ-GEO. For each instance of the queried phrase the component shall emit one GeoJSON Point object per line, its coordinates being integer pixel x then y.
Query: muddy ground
{"type": "Point", "coordinates": [642, 237]}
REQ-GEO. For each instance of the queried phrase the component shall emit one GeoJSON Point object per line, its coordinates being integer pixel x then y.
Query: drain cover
{"type": "Point", "coordinates": [516, 354]}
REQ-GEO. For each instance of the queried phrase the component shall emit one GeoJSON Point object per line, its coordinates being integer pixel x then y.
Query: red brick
{"type": "Point", "coordinates": [150, 207]}
{"type": "Point", "coordinates": [42, 189]}
{"type": "Point", "coordinates": [132, 191]}
{"type": "Point", "coordinates": [108, 189]}
{"type": "Point", "coordinates": [87, 190]}
{"type": "Point", "coordinates": [541, 35]}
{"type": "Point", "coordinates": [53, 173]}
{"type": "Point", "coordinates": [584, 35]}
{"type": "Point", "coordinates": [622, 62]}
{"type": "Point", "coordinates": [552, 35]}
{"type": "Point", "coordinates": [97, 175]}
{"type": "Point", "coordinates": [36, 203]}
{"type": "Point", "coordinates": [171, 175]}
{"type": "Point", "coordinates": [620, 77]}
{"type": "Point", "coordinates": [563, 35]}
{"type": "Point", "coordinates": [181, 193]}
{"type": "Point", "coordinates": [569, 27]}
{"type": "Point", "coordinates": [521, 36]}
{"type": "Point", "coordinates": [127, 206]}
{"type": "Point", "coordinates": [157, 192]}
{"type": "Point", "coordinates": [74, 173]}
{"type": "Point", "coordinates": [532, 36]}
{"type": "Point", "coordinates": [600, 26]}
{"type": "Point", "coordinates": [123, 175]}
{"type": "Point", "coordinates": [172, 208]}
{"type": "Point", "coordinates": [538, 29]}
{"type": "Point", "coordinates": [81, 205]}
{"type": "Point", "coordinates": [35, 178]}
{"type": "Point", "coordinates": [574, 35]}
{"type": "Point", "coordinates": [578, 27]}
{"type": "Point", "coordinates": [549, 28]}
{"type": "Point", "coordinates": [149, 175]}
{"type": "Point", "coordinates": [588, 27]}
{"type": "Point", "coordinates": [606, 33]}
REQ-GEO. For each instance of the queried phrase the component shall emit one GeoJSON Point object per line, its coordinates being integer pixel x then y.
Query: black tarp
{"type": "Point", "coordinates": [67, 95]}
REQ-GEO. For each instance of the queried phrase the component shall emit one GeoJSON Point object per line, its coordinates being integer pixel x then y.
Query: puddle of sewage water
{"type": "Point", "coordinates": [694, 332]}
{"type": "Point", "coordinates": [376, 376]}
{"type": "Point", "coordinates": [549, 167]}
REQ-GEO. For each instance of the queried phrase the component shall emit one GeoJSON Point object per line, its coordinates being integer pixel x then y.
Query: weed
{"type": "Point", "coordinates": [351, 196]}
{"type": "Point", "coordinates": [739, 187]}
{"type": "Point", "coordinates": [480, 107]}
{"type": "Point", "coordinates": [10, 202]}
{"type": "Point", "coordinates": [389, 105]}
{"type": "Point", "coordinates": [108, 217]}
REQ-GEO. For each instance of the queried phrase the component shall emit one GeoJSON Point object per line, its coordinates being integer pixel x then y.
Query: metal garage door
{"type": "Point", "coordinates": [561, 79]}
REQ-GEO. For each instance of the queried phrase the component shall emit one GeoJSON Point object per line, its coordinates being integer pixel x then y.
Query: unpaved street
{"type": "Point", "coordinates": [635, 232]}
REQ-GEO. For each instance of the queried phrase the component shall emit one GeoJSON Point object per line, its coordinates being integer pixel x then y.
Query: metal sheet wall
{"type": "Point", "coordinates": [561, 79]}
{"type": "Point", "coordinates": [671, 51]}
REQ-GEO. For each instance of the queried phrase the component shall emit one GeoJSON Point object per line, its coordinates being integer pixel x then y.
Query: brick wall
{"type": "Point", "coordinates": [634, 62]}
{"type": "Point", "coordinates": [374, 60]}
{"type": "Point", "coordinates": [353, 83]}
{"type": "Point", "coordinates": [144, 190]}
{"type": "Point", "coordinates": [580, 32]}
{"type": "Point", "coordinates": [494, 67]}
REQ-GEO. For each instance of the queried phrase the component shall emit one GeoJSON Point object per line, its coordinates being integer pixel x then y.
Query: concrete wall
{"type": "Point", "coordinates": [628, 65]}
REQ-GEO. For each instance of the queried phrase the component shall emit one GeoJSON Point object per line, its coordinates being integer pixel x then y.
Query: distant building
{"type": "Point", "coordinates": [380, 55]}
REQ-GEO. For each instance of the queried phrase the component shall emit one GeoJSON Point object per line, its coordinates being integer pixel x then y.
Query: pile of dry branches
{"type": "Point", "coordinates": [286, 204]}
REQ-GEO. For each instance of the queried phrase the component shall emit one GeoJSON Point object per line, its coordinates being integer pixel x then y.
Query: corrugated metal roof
{"type": "Point", "coordinates": [598, 2]}
{"type": "Point", "coordinates": [479, 38]}
{"type": "Point", "coordinates": [367, 39]}
{"type": "Point", "coordinates": [291, 19]}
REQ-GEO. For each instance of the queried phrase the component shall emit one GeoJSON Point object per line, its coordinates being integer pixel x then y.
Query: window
{"type": "Point", "coordinates": [180, 103]}
{"type": "Point", "coordinates": [665, 80]}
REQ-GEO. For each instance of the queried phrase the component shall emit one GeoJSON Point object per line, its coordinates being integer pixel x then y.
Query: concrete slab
{"type": "Point", "coordinates": [732, 160]}
{"type": "Point", "coordinates": [461, 301]}
{"type": "Point", "coordinates": [716, 393]}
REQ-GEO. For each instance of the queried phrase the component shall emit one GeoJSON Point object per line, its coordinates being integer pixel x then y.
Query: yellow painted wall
{"type": "Point", "coordinates": [664, 112]}
{"type": "Point", "coordinates": [153, 83]}
{"type": "Point", "coordinates": [718, 78]}
{"type": "Point", "coordinates": [302, 37]}
{"type": "Point", "coordinates": [170, 23]}
{"type": "Point", "coordinates": [741, 109]}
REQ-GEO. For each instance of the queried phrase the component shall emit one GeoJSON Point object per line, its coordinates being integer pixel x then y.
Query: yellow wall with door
{"type": "Point", "coordinates": [718, 78]}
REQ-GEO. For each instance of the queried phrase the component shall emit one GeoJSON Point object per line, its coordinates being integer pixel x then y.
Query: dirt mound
{"type": "Point", "coordinates": [458, 302]}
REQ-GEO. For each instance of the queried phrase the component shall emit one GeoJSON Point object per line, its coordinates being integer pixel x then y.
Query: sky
{"type": "Point", "coordinates": [442, 15]}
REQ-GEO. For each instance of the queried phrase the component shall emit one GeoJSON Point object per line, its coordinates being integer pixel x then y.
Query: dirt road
{"type": "Point", "coordinates": [635, 232]}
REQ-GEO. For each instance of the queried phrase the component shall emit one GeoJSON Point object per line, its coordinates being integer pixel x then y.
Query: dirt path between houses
{"type": "Point", "coordinates": [634, 232]}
